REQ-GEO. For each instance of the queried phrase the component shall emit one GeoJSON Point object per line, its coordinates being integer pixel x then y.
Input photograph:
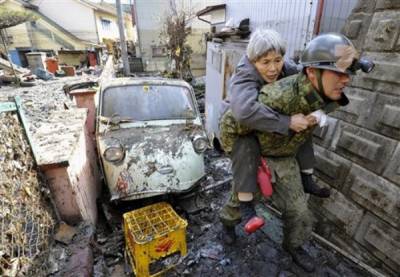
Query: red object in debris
{"type": "Point", "coordinates": [264, 177]}
{"type": "Point", "coordinates": [52, 65]}
{"type": "Point", "coordinates": [254, 224]}
{"type": "Point", "coordinates": [69, 70]}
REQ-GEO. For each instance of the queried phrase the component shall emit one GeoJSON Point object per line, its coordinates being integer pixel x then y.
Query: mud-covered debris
{"type": "Point", "coordinates": [108, 250]}
{"type": "Point", "coordinates": [213, 251]}
{"type": "Point", "coordinates": [65, 233]}
{"type": "Point", "coordinates": [80, 262]}
{"type": "Point", "coordinates": [205, 227]}
{"type": "Point", "coordinates": [259, 254]}
{"type": "Point", "coordinates": [100, 268]}
{"type": "Point", "coordinates": [225, 262]}
{"type": "Point", "coordinates": [56, 255]}
{"type": "Point", "coordinates": [117, 271]}
{"type": "Point", "coordinates": [76, 257]}
{"type": "Point", "coordinates": [193, 204]}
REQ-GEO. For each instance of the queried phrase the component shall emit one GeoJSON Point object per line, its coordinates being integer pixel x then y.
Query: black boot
{"type": "Point", "coordinates": [302, 258]}
{"type": "Point", "coordinates": [228, 235]}
{"type": "Point", "coordinates": [312, 188]}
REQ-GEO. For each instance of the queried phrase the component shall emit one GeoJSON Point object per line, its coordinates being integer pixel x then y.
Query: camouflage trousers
{"type": "Point", "coordinates": [288, 196]}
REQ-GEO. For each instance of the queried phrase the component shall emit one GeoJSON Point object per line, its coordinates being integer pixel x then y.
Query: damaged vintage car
{"type": "Point", "coordinates": [150, 137]}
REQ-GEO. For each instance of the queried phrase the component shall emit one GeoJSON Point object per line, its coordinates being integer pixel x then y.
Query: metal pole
{"type": "Point", "coordinates": [320, 10]}
{"type": "Point", "coordinates": [124, 51]}
{"type": "Point", "coordinates": [9, 57]}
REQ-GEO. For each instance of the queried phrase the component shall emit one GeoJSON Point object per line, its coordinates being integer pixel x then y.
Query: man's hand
{"type": "Point", "coordinates": [312, 120]}
{"type": "Point", "coordinates": [298, 122]}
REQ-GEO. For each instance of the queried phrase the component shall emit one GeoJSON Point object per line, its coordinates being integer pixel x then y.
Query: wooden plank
{"type": "Point", "coordinates": [24, 122]}
{"type": "Point", "coordinates": [7, 107]}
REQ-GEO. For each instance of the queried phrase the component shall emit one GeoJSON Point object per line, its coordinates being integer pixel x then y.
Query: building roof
{"type": "Point", "coordinates": [210, 9]}
{"type": "Point", "coordinates": [103, 7]}
{"type": "Point", "coordinates": [57, 26]}
{"type": "Point", "coordinates": [35, 10]}
{"type": "Point", "coordinates": [24, 3]}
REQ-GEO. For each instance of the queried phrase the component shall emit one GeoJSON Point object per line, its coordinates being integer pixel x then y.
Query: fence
{"type": "Point", "coordinates": [26, 219]}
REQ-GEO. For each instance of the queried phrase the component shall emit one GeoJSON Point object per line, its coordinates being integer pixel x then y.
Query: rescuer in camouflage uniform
{"type": "Point", "coordinates": [262, 64]}
{"type": "Point", "coordinates": [328, 60]}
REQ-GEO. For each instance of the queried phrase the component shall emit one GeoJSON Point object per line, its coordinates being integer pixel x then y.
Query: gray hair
{"type": "Point", "coordinates": [264, 40]}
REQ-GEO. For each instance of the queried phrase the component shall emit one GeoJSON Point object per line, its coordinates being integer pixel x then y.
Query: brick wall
{"type": "Point", "coordinates": [359, 155]}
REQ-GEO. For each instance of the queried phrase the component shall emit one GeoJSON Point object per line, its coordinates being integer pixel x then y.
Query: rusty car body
{"type": "Point", "coordinates": [150, 137]}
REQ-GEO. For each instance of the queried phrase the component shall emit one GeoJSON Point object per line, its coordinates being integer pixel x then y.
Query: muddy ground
{"type": "Point", "coordinates": [259, 254]}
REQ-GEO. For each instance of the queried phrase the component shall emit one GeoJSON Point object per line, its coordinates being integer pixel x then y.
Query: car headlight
{"type": "Point", "coordinates": [200, 144]}
{"type": "Point", "coordinates": [114, 154]}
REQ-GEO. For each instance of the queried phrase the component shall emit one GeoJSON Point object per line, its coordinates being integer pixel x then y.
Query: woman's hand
{"type": "Point", "coordinates": [299, 122]}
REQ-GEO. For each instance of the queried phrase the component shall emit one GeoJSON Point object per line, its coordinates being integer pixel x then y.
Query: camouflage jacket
{"type": "Point", "coordinates": [289, 96]}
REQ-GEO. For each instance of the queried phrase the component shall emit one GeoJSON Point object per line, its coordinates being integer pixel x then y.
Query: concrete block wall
{"type": "Point", "coordinates": [65, 152]}
{"type": "Point", "coordinates": [359, 154]}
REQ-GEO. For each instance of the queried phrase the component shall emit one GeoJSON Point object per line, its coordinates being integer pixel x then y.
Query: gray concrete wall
{"type": "Point", "coordinates": [359, 156]}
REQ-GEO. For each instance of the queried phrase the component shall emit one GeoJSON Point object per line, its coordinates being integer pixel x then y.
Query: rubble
{"type": "Point", "coordinates": [259, 254]}
{"type": "Point", "coordinates": [12, 73]}
{"type": "Point", "coordinates": [72, 257]}
{"type": "Point", "coordinates": [53, 120]}
{"type": "Point", "coordinates": [6, 65]}
{"type": "Point", "coordinates": [65, 233]}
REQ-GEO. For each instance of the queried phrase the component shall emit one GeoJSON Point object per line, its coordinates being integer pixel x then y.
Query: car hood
{"type": "Point", "coordinates": [158, 159]}
{"type": "Point", "coordinates": [152, 138]}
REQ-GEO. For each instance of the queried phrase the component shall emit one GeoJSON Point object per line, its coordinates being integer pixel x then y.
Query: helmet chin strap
{"type": "Point", "coordinates": [318, 73]}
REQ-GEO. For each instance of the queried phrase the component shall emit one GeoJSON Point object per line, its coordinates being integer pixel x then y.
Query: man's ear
{"type": "Point", "coordinates": [310, 72]}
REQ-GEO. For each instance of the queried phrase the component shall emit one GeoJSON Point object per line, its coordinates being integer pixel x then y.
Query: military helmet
{"type": "Point", "coordinates": [330, 51]}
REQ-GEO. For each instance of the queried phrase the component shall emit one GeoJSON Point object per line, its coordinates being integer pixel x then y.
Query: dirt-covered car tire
{"type": "Point", "coordinates": [26, 84]}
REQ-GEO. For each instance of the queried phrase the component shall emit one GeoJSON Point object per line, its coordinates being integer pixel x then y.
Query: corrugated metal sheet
{"type": "Point", "coordinates": [335, 13]}
{"type": "Point", "coordinates": [221, 62]}
{"type": "Point", "coordinates": [294, 19]}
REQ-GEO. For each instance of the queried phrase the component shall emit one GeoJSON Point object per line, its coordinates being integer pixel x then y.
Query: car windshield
{"type": "Point", "coordinates": [148, 102]}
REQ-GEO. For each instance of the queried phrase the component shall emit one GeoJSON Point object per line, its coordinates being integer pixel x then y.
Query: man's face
{"type": "Point", "coordinates": [334, 83]}
{"type": "Point", "coordinates": [269, 66]}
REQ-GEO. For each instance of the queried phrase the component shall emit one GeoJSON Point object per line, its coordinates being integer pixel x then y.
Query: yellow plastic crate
{"type": "Point", "coordinates": [151, 234]}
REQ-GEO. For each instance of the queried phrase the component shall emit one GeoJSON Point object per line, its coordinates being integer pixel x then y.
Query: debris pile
{"type": "Point", "coordinates": [258, 254]}
{"type": "Point", "coordinates": [71, 253]}
{"type": "Point", "coordinates": [11, 73]}
{"type": "Point", "coordinates": [42, 101]}
{"type": "Point", "coordinates": [26, 219]}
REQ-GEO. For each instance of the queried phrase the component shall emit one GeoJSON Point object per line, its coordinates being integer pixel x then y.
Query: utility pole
{"type": "Point", "coordinates": [124, 51]}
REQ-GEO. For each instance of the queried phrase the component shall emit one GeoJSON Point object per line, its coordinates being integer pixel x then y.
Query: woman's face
{"type": "Point", "coordinates": [269, 66]}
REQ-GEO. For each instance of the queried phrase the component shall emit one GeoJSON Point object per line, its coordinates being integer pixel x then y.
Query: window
{"type": "Point", "coordinates": [106, 24]}
{"type": "Point", "coordinates": [148, 102]}
{"type": "Point", "coordinates": [159, 51]}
